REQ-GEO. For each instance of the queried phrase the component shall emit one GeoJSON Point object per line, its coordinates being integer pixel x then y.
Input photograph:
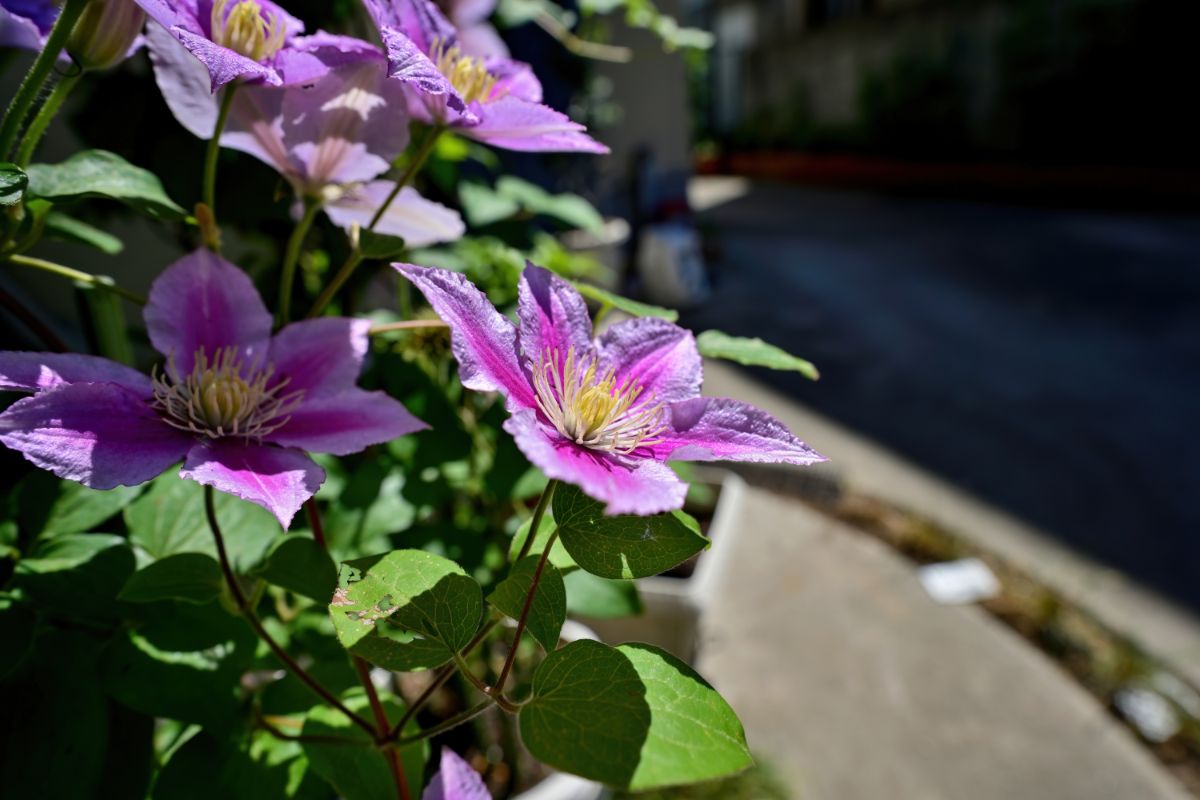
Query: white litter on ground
{"type": "Point", "coordinates": [967, 580]}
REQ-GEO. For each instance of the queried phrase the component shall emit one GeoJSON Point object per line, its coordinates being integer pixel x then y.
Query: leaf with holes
{"type": "Point", "coordinates": [623, 546]}
{"type": "Point", "coordinates": [633, 716]}
{"type": "Point", "coordinates": [549, 608]}
{"type": "Point", "coordinates": [406, 610]}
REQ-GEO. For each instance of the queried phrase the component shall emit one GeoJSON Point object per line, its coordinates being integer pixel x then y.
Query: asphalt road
{"type": "Point", "coordinates": [1046, 359]}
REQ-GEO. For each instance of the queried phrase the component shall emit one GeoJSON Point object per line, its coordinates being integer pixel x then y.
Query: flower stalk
{"type": "Point", "coordinates": [291, 257]}
{"type": "Point", "coordinates": [37, 128]}
{"type": "Point", "coordinates": [247, 611]}
{"type": "Point", "coordinates": [98, 281]}
{"type": "Point", "coordinates": [24, 99]}
{"type": "Point", "coordinates": [209, 188]}
{"type": "Point", "coordinates": [382, 729]}
{"type": "Point", "coordinates": [355, 257]}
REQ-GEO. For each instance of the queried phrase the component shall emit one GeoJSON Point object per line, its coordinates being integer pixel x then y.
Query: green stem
{"type": "Point", "coordinates": [38, 72]}
{"type": "Point", "coordinates": [538, 513]}
{"type": "Point", "coordinates": [37, 128]}
{"type": "Point", "coordinates": [441, 678]}
{"type": "Point", "coordinates": [383, 729]}
{"type": "Point", "coordinates": [247, 611]}
{"type": "Point", "coordinates": [76, 275]}
{"type": "Point", "coordinates": [418, 161]}
{"type": "Point", "coordinates": [355, 257]}
{"type": "Point", "coordinates": [214, 147]}
{"type": "Point", "coordinates": [291, 257]}
{"type": "Point", "coordinates": [452, 722]}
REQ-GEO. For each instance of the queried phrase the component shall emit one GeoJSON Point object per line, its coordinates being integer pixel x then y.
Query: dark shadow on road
{"type": "Point", "coordinates": [1047, 360]}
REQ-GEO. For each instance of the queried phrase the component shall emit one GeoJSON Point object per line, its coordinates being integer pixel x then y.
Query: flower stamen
{"type": "Point", "coordinates": [593, 410]}
{"type": "Point", "coordinates": [246, 31]}
{"type": "Point", "coordinates": [467, 74]}
{"type": "Point", "coordinates": [223, 396]}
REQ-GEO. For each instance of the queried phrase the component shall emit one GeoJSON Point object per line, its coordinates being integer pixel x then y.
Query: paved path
{"type": "Point", "coordinates": [856, 685]}
{"type": "Point", "coordinates": [1045, 360]}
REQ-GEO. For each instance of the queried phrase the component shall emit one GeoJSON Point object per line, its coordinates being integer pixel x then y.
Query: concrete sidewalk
{"type": "Point", "coordinates": [854, 684]}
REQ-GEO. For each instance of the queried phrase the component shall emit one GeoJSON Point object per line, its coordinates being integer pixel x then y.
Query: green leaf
{"type": "Point", "coordinates": [77, 574]}
{"type": "Point", "coordinates": [406, 610]}
{"type": "Point", "coordinates": [605, 297]}
{"type": "Point", "coordinates": [99, 173]}
{"type": "Point", "coordinates": [13, 182]}
{"type": "Point", "coordinates": [623, 546]}
{"type": "Point", "coordinates": [753, 353]}
{"type": "Point", "coordinates": [246, 766]}
{"type": "Point", "coordinates": [379, 245]}
{"type": "Point", "coordinates": [169, 518]}
{"type": "Point", "coordinates": [559, 556]}
{"type": "Point", "coordinates": [184, 661]}
{"type": "Point", "coordinates": [191, 577]}
{"type": "Point", "coordinates": [61, 226]}
{"type": "Point", "coordinates": [78, 508]}
{"type": "Point", "coordinates": [633, 717]}
{"type": "Point", "coordinates": [601, 598]}
{"type": "Point", "coordinates": [369, 507]}
{"type": "Point", "coordinates": [300, 565]}
{"type": "Point", "coordinates": [483, 205]}
{"type": "Point", "coordinates": [360, 772]}
{"type": "Point", "coordinates": [549, 609]}
{"type": "Point", "coordinates": [569, 208]}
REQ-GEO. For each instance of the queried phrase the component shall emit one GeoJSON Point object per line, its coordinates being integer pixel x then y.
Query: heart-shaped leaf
{"type": "Point", "coordinates": [99, 173]}
{"type": "Point", "coordinates": [548, 611]}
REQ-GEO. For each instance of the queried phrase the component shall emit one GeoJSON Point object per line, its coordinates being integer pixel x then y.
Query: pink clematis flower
{"type": "Point", "coordinates": [26, 23]}
{"type": "Point", "coordinates": [455, 780]}
{"type": "Point", "coordinates": [476, 36]}
{"type": "Point", "coordinates": [330, 139]}
{"type": "Point", "coordinates": [238, 405]}
{"type": "Point", "coordinates": [604, 414]}
{"type": "Point", "coordinates": [494, 100]}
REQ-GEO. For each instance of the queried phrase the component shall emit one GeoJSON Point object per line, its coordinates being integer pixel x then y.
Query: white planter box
{"type": "Point", "coordinates": [673, 606]}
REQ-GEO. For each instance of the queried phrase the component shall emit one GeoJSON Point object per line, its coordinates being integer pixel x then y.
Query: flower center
{"type": "Point", "coordinates": [246, 31]}
{"type": "Point", "coordinates": [222, 396]}
{"type": "Point", "coordinates": [466, 74]}
{"type": "Point", "coordinates": [594, 410]}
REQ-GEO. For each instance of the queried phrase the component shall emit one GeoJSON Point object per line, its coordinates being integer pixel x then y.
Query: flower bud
{"type": "Point", "coordinates": [105, 33]}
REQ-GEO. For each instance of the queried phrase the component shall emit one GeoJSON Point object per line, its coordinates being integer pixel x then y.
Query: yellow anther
{"type": "Point", "coordinates": [224, 397]}
{"type": "Point", "coordinates": [466, 74]}
{"type": "Point", "coordinates": [592, 409]}
{"type": "Point", "coordinates": [246, 31]}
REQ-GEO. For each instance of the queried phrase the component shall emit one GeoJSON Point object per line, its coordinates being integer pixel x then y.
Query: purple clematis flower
{"type": "Point", "coordinates": [330, 139]}
{"type": "Point", "coordinates": [26, 23]}
{"type": "Point", "coordinates": [494, 100]}
{"type": "Point", "coordinates": [251, 40]}
{"type": "Point", "coordinates": [604, 414]}
{"type": "Point", "coordinates": [238, 405]}
{"type": "Point", "coordinates": [455, 780]}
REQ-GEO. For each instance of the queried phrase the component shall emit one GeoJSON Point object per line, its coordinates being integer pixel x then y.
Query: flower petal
{"type": "Point", "coordinates": [346, 423]}
{"type": "Point", "coordinates": [716, 428]}
{"type": "Point", "coordinates": [321, 356]}
{"type": "Point", "coordinates": [100, 434]}
{"type": "Point", "coordinates": [515, 124]}
{"type": "Point", "coordinates": [419, 222]}
{"type": "Point", "coordinates": [408, 63]}
{"type": "Point", "coordinates": [278, 479]}
{"type": "Point", "coordinates": [455, 780]}
{"type": "Point", "coordinates": [553, 316]}
{"type": "Point", "coordinates": [660, 356]}
{"type": "Point", "coordinates": [628, 485]}
{"type": "Point", "coordinates": [203, 301]}
{"type": "Point", "coordinates": [184, 82]}
{"type": "Point", "coordinates": [481, 40]}
{"type": "Point", "coordinates": [483, 340]}
{"type": "Point", "coordinates": [225, 65]}
{"type": "Point", "coordinates": [348, 126]}
{"type": "Point", "coordinates": [36, 372]}
{"type": "Point", "coordinates": [514, 79]}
